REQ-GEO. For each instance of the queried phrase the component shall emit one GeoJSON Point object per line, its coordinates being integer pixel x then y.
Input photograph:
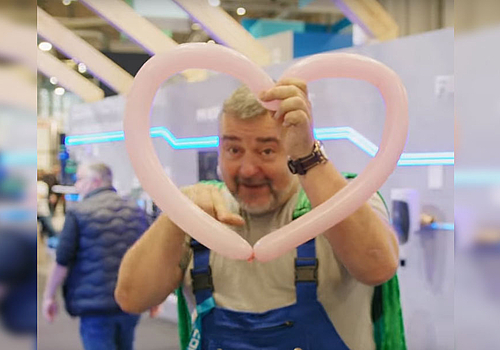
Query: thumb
{"type": "Point", "coordinates": [222, 213]}
{"type": "Point", "coordinates": [154, 311]}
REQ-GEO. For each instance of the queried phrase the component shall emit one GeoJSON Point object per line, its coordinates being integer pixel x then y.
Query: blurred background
{"type": "Point", "coordinates": [18, 242]}
{"type": "Point", "coordinates": [68, 65]}
{"type": "Point", "coordinates": [477, 175]}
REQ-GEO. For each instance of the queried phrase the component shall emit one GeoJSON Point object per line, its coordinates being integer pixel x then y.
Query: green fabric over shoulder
{"type": "Point", "coordinates": [183, 319]}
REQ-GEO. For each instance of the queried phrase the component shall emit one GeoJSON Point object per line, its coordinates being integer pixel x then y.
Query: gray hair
{"type": "Point", "coordinates": [243, 104]}
{"type": "Point", "coordinates": [102, 171]}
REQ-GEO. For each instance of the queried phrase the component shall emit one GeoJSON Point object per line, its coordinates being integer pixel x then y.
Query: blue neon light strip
{"type": "Point", "coordinates": [184, 143]}
{"type": "Point", "coordinates": [10, 159]}
{"type": "Point", "coordinates": [324, 134]}
{"type": "Point", "coordinates": [187, 142]}
{"type": "Point", "coordinates": [71, 197]}
{"type": "Point", "coordinates": [477, 177]}
{"type": "Point", "coordinates": [445, 226]}
{"type": "Point", "coordinates": [16, 215]}
{"type": "Point", "coordinates": [94, 138]}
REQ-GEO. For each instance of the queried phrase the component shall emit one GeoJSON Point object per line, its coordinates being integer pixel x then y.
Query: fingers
{"type": "Point", "coordinates": [47, 316]}
{"type": "Point", "coordinates": [49, 312]}
{"type": "Point", "coordinates": [221, 211]}
{"type": "Point", "coordinates": [203, 198]}
{"type": "Point", "coordinates": [296, 118]}
{"type": "Point", "coordinates": [53, 311]}
{"type": "Point", "coordinates": [200, 194]}
{"type": "Point", "coordinates": [281, 92]}
{"type": "Point", "coordinates": [209, 198]}
{"type": "Point", "coordinates": [293, 95]}
{"type": "Point", "coordinates": [52, 316]}
{"type": "Point", "coordinates": [292, 104]}
{"type": "Point", "coordinates": [301, 84]}
{"type": "Point", "coordinates": [154, 311]}
{"type": "Point", "coordinates": [45, 312]}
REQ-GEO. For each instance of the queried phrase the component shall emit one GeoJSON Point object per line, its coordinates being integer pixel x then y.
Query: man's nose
{"type": "Point", "coordinates": [249, 167]}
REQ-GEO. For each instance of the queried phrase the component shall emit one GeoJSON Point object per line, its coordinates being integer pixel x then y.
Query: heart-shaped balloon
{"type": "Point", "coordinates": [202, 226]}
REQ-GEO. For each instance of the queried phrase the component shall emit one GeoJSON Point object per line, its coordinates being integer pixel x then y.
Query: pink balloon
{"type": "Point", "coordinates": [202, 226]}
{"type": "Point", "coordinates": [357, 192]}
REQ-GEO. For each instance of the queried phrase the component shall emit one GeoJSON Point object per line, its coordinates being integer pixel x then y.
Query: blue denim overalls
{"type": "Point", "coordinates": [304, 325]}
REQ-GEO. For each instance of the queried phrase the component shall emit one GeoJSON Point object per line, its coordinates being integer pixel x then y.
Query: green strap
{"type": "Point", "coordinates": [219, 184]}
{"type": "Point", "coordinates": [184, 319]}
{"type": "Point", "coordinates": [202, 309]}
{"type": "Point", "coordinates": [303, 205]}
{"type": "Point", "coordinates": [389, 328]}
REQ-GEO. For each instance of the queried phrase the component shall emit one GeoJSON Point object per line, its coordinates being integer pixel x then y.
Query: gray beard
{"type": "Point", "coordinates": [278, 199]}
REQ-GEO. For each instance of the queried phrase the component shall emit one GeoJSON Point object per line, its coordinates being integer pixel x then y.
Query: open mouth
{"type": "Point", "coordinates": [254, 186]}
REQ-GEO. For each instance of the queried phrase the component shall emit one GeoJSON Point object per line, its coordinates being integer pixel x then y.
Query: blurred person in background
{"type": "Point", "coordinates": [52, 179]}
{"type": "Point", "coordinates": [43, 209]}
{"type": "Point", "coordinates": [96, 234]}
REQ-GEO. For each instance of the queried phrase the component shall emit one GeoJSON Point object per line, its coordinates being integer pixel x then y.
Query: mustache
{"type": "Point", "coordinates": [252, 181]}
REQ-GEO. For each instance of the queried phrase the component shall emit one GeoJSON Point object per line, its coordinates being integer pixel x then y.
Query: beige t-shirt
{"type": "Point", "coordinates": [259, 287]}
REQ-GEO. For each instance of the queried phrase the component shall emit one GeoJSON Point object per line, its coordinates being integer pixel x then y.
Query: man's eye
{"type": "Point", "coordinates": [267, 151]}
{"type": "Point", "coordinates": [233, 150]}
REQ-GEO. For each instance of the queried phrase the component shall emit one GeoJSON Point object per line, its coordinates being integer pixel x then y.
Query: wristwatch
{"type": "Point", "coordinates": [302, 165]}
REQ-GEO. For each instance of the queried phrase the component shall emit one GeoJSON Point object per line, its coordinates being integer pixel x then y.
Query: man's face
{"type": "Point", "coordinates": [85, 182]}
{"type": "Point", "coordinates": [253, 162]}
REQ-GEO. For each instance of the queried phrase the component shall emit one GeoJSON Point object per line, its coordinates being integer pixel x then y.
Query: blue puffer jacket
{"type": "Point", "coordinates": [97, 233]}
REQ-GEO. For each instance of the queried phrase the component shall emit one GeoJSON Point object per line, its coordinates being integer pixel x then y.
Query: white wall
{"type": "Point", "coordinates": [477, 287]}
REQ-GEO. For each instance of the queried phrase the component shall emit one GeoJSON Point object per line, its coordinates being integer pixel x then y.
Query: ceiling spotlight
{"type": "Point", "coordinates": [195, 26]}
{"type": "Point", "coordinates": [214, 3]}
{"type": "Point", "coordinates": [66, 2]}
{"type": "Point", "coordinates": [53, 80]}
{"type": "Point", "coordinates": [82, 68]}
{"type": "Point", "coordinates": [210, 42]}
{"type": "Point", "coordinates": [45, 46]}
{"type": "Point", "coordinates": [59, 91]}
{"type": "Point", "coordinates": [241, 11]}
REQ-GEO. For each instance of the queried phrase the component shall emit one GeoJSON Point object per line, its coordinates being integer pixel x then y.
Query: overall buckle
{"type": "Point", "coordinates": [306, 270]}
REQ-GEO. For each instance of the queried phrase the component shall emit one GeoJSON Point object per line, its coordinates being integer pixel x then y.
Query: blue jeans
{"type": "Point", "coordinates": [108, 332]}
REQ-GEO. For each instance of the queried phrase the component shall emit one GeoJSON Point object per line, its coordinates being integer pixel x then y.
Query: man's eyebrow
{"type": "Point", "coordinates": [230, 138]}
{"type": "Point", "coordinates": [268, 139]}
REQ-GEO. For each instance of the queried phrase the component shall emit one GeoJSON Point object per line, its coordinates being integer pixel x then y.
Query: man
{"type": "Point", "coordinates": [322, 299]}
{"type": "Point", "coordinates": [96, 233]}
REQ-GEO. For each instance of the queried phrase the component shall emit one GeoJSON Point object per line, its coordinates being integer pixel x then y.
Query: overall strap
{"type": "Point", "coordinates": [306, 272]}
{"type": "Point", "coordinates": [201, 273]}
